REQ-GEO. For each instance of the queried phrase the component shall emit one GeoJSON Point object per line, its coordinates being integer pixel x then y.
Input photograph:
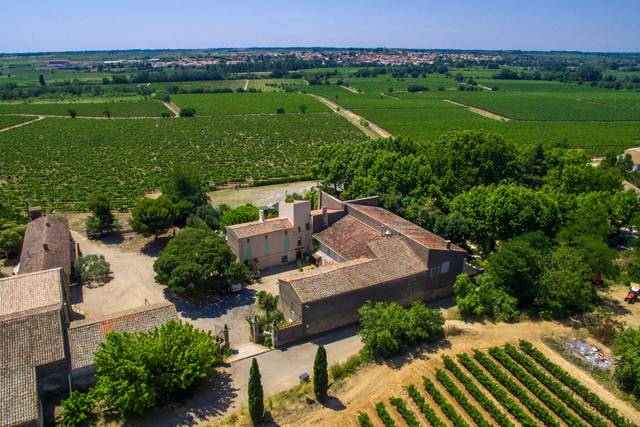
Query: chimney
{"type": "Point", "coordinates": [325, 217]}
{"type": "Point", "coordinates": [35, 212]}
{"type": "Point", "coordinates": [448, 244]}
{"type": "Point", "coordinates": [261, 215]}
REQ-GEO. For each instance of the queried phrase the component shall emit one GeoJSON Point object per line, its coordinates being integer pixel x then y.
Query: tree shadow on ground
{"type": "Point", "coordinates": [421, 352]}
{"type": "Point", "coordinates": [334, 404]}
{"type": "Point", "coordinates": [214, 306]}
{"type": "Point", "coordinates": [615, 305]}
{"type": "Point", "coordinates": [112, 239]}
{"type": "Point", "coordinates": [153, 247]}
{"type": "Point", "coordinates": [212, 398]}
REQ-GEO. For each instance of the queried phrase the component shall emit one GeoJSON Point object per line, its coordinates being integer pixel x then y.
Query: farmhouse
{"type": "Point", "coordinates": [364, 253]}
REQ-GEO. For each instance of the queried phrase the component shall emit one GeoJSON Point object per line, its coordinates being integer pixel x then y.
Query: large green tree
{"type": "Point", "coordinates": [256, 396]}
{"type": "Point", "coordinates": [152, 216]}
{"type": "Point", "coordinates": [186, 190]}
{"type": "Point", "coordinates": [102, 220]}
{"type": "Point", "coordinates": [137, 371]}
{"type": "Point", "coordinates": [197, 261]}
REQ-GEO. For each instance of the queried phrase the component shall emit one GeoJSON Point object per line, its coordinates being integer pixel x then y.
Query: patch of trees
{"type": "Point", "coordinates": [417, 88]}
{"type": "Point", "coordinates": [139, 371]}
{"type": "Point", "coordinates": [388, 329]}
{"type": "Point", "coordinates": [627, 352]}
{"type": "Point", "coordinates": [196, 262]}
{"type": "Point", "coordinates": [101, 221]}
{"type": "Point", "coordinates": [238, 215]}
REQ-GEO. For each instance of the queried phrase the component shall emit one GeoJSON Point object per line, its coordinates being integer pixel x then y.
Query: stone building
{"type": "Point", "coordinates": [275, 241]}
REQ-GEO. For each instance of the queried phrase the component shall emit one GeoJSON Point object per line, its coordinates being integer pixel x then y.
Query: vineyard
{"type": "Point", "coordinates": [91, 109]}
{"type": "Point", "coordinates": [503, 386]}
{"type": "Point", "coordinates": [58, 163]}
{"type": "Point", "coordinates": [545, 112]}
{"type": "Point", "coordinates": [6, 121]}
{"type": "Point", "coordinates": [248, 103]}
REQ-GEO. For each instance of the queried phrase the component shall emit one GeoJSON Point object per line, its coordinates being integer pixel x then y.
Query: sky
{"type": "Point", "coordinates": [64, 25]}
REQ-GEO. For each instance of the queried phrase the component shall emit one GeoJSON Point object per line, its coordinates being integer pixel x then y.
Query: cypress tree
{"type": "Point", "coordinates": [256, 399]}
{"type": "Point", "coordinates": [320, 375]}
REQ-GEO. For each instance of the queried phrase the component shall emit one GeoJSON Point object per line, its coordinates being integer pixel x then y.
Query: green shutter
{"type": "Point", "coordinates": [266, 248]}
{"type": "Point", "coordinates": [248, 253]}
{"type": "Point", "coordinates": [286, 244]}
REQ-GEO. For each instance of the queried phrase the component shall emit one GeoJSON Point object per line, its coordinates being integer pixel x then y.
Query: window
{"type": "Point", "coordinates": [299, 241]}
{"type": "Point", "coordinates": [299, 229]}
{"type": "Point", "coordinates": [435, 271]}
{"type": "Point", "coordinates": [445, 267]}
{"type": "Point", "coordinates": [286, 244]}
{"type": "Point", "coordinates": [248, 240]}
{"type": "Point", "coordinates": [285, 232]}
{"type": "Point", "coordinates": [411, 285]}
{"type": "Point", "coordinates": [306, 226]}
{"type": "Point", "coordinates": [284, 259]}
{"type": "Point", "coordinates": [266, 248]}
{"type": "Point", "coordinates": [266, 236]}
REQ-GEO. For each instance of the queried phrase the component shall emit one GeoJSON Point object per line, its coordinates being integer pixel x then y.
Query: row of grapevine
{"type": "Point", "coordinates": [424, 407]}
{"type": "Point", "coordinates": [501, 396]}
{"type": "Point", "coordinates": [384, 415]}
{"type": "Point", "coordinates": [459, 396]}
{"type": "Point", "coordinates": [537, 409]}
{"type": "Point", "coordinates": [478, 394]}
{"type": "Point", "coordinates": [364, 420]}
{"type": "Point", "coordinates": [536, 389]}
{"type": "Point", "coordinates": [407, 414]}
{"type": "Point", "coordinates": [446, 407]}
{"type": "Point", "coordinates": [589, 416]}
{"type": "Point", "coordinates": [575, 385]}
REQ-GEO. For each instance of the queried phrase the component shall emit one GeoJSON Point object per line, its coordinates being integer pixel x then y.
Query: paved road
{"type": "Point", "coordinates": [279, 370]}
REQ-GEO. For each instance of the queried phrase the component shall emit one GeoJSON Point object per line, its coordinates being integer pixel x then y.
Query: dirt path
{"type": "Point", "coordinates": [390, 96]}
{"type": "Point", "coordinates": [22, 124]}
{"type": "Point", "coordinates": [42, 116]}
{"type": "Point", "coordinates": [484, 113]}
{"type": "Point", "coordinates": [372, 130]}
{"type": "Point", "coordinates": [173, 108]}
{"type": "Point", "coordinates": [350, 89]}
{"type": "Point", "coordinates": [246, 84]}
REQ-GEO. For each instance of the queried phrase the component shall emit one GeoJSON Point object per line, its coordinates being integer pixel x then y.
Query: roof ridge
{"type": "Point", "coordinates": [122, 313]}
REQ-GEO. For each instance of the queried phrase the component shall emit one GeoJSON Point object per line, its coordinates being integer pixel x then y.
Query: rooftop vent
{"type": "Point", "coordinates": [261, 215]}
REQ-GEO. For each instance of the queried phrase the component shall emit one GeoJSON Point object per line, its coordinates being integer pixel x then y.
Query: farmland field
{"type": "Point", "coordinates": [6, 121]}
{"type": "Point", "coordinates": [583, 119]}
{"type": "Point", "coordinates": [91, 109]}
{"type": "Point", "coordinates": [247, 103]}
{"type": "Point", "coordinates": [505, 386]}
{"type": "Point", "coordinates": [58, 163]}
{"type": "Point", "coordinates": [264, 85]}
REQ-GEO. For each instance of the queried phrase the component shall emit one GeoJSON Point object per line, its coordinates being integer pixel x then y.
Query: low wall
{"type": "Point", "coordinates": [290, 333]}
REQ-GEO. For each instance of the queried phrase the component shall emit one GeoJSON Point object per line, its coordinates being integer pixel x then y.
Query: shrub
{"type": "Point", "coordinates": [91, 267]}
{"type": "Point", "coordinates": [342, 370]}
{"type": "Point", "coordinates": [244, 213]}
{"type": "Point", "coordinates": [187, 112]}
{"type": "Point", "coordinates": [152, 216]}
{"type": "Point", "coordinates": [102, 220]}
{"type": "Point", "coordinates": [604, 326]}
{"type": "Point", "coordinates": [77, 409]}
{"type": "Point", "coordinates": [627, 353]}
{"type": "Point", "coordinates": [364, 420]}
{"type": "Point", "coordinates": [72, 113]}
{"type": "Point", "coordinates": [137, 371]}
{"type": "Point", "coordinates": [364, 123]}
{"type": "Point", "coordinates": [384, 415]}
{"type": "Point", "coordinates": [280, 110]}
{"type": "Point", "coordinates": [388, 329]}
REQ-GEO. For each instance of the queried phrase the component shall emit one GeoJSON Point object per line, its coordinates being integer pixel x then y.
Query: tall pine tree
{"type": "Point", "coordinates": [320, 375]}
{"type": "Point", "coordinates": [256, 398]}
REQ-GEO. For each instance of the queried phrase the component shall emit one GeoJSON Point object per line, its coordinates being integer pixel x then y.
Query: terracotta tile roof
{"type": "Point", "coordinates": [408, 229]}
{"type": "Point", "coordinates": [46, 245]}
{"type": "Point", "coordinates": [27, 340]}
{"type": "Point", "coordinates": [31, 291]}
{"type": "Point", "coordinates": [634, 153]}
{"type": "Point", "coordinates": [348, 237]}
{"type": "Point", "coordinates": [86, 335]}
{"type": "Point", "coordinates": [391, 259]}
{"type": "Point", "coordinates": [256, 228]}
{"type": "Point", "coordinates": [317, 212]}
